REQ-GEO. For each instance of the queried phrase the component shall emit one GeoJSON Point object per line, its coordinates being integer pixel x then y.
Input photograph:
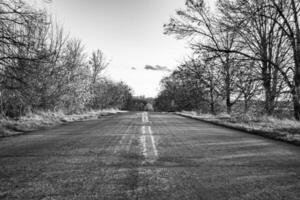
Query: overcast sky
{"type": "Point", "coordinates": [129, 32]}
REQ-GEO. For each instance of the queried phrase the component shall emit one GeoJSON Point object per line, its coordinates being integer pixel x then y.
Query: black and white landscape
{"type": "Point", "coordinates": [150, 99]}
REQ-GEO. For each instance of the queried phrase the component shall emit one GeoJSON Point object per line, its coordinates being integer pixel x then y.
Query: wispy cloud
{"type": "Point", "coordinates": [157, 68]}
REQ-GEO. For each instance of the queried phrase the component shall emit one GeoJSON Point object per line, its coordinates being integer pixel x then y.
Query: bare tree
{"type": "Point", "coordinates": [199, 24]}
{"type": "Point", "coordinates": [262, 41]}
{"type": "Point", "coordinates": [41, 68]}
{"type": "Point", "coordinates": [288, 20]}
{"type": "Point", "coordinates": [97, 64]}
{"type": "Point", "coordinates": [19, 25]}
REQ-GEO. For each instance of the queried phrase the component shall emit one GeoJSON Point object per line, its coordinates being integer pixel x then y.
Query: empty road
{"type": "Point", "coordinates": [147, 156]}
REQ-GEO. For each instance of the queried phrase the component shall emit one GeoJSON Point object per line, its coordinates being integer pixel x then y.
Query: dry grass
{"type": "Point", "coordinates": [45, 119]}
{"type": "Point", "coordinates": [283, 129]}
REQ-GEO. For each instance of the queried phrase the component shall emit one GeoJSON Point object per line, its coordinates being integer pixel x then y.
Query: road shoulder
{"type": "Point", "coordinates": [280, 136]}
{"type": "Point", "coordinates": [43, 121]}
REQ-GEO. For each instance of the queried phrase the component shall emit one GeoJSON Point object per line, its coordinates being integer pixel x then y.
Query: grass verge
{"type": "Point", "coordinates": [42, 119]}
{"type": "Point", "coordinates": [280, 129]}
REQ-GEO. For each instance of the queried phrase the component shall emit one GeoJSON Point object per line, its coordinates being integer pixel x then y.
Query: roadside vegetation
{"type": "Point", "coordinates": [281, 129]}
{"type": "Point", "coordinates": [245, 63]}
{"type": "Point", "coordinates": [47, 76]}
{"type": "Point", "coordinates": [42, 119]}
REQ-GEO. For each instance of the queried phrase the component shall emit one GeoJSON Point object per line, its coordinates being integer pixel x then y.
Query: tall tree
{"type": "Point", "coordinates": [203, 28]}
{"type": "Point", "coordinates": [262, 41]}
{"type": "Point", "coordinates": [97, 64]}
{"type": "Point", "coordinates": [288, 20]}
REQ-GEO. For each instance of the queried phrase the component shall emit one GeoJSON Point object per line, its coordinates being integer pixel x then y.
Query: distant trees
{"type": "Point", "coordinates": [109, 94]}
{"type": "Point", "coordinates": [42, 68]}
{"type": "Point", "coordinates": [192, 86]}
{"type": "Point", "coordinates": [140, 103]}
{"type": "Point", "coordinates": [251, 46]}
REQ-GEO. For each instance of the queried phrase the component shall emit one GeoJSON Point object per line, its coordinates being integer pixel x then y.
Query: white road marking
{"type": "Point", "coordinates": [147, 140]}
{"type": "Point", "coordinates": [145, 117]}
{"type": "Point", "coordinates": [143, 141]}
{"type": "Point", "coordinates": [152, 141]}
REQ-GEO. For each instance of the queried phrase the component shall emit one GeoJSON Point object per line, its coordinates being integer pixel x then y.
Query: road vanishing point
{"type": "Point", "coordinates": [147, 156]}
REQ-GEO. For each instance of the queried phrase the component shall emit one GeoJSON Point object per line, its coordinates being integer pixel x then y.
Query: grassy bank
{"type": "Point", "coordinates": [42, 119]}
{"type": "Point", "coordinates": [280, 129]}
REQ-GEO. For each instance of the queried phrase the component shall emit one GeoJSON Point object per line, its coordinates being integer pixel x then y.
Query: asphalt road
{"type": "Point", "coordinates": [147, 156]}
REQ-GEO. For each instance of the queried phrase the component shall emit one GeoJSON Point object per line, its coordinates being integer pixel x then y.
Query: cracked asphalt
{"type": "Point", "coordinates": [147, 156]}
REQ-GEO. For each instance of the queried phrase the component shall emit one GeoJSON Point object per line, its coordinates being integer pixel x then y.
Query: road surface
{"type": "Point", "coordinates": [147, 156]}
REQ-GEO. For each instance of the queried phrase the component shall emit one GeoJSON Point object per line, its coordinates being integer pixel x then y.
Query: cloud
{"type": "Point", "coordinates": [133, 68]}
{"type": "Point", "coordinates": [157, 68]}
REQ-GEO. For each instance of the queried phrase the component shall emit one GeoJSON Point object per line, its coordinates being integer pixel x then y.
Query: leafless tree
{"type": "Point", "coordinates": [262, 41]}
{"type": "Point", "coordinates": [97, 64]}
{"type": "Point", "coordinates": [206, 34]}
{"type": "Point", "coordinates": [288, 20]}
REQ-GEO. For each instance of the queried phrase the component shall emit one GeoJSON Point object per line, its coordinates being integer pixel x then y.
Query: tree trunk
{"type": "Point", "coordinates": [212, 103]}
{"type": "Point", "coordinates": [228, 100]}
{"type": "Point", "coordinates": [269, 100]}
{"type": "Point", "coordinates": [227, 85]}
{"type": "Point", "coordinates": [296, 93]}
{"type": "Point", "coordinates": [212, 108]}
{"type": "Point", "coordinates": [296, 101]}
{"type": "Point", "coordinates": [246, 107]}
{"type": "Point", "coordinates": [297, 65]}
{"type": "Point", "coordinates": [228, 105]}
{"type": "Point", "coordinates": [296, 49]}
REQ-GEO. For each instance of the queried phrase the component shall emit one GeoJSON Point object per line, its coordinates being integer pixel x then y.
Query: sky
{"type": "Point", "coordinates": [129, 32]}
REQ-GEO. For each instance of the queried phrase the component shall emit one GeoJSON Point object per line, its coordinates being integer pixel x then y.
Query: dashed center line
{"type": "Point", "coordinates": [152, 141]}
{"type": "Point", "coordinates": [143, 141]}
{"type": "Point", "coordinates": [145, 117]}
{"type": "Point", "coordinates": [147, 140]}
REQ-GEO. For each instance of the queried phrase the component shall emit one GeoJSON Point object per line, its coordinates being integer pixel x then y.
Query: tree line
{"type": "Point", "coordinates": [243, 51]}
{"type": "Point", "coordinates": [43, 68]}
